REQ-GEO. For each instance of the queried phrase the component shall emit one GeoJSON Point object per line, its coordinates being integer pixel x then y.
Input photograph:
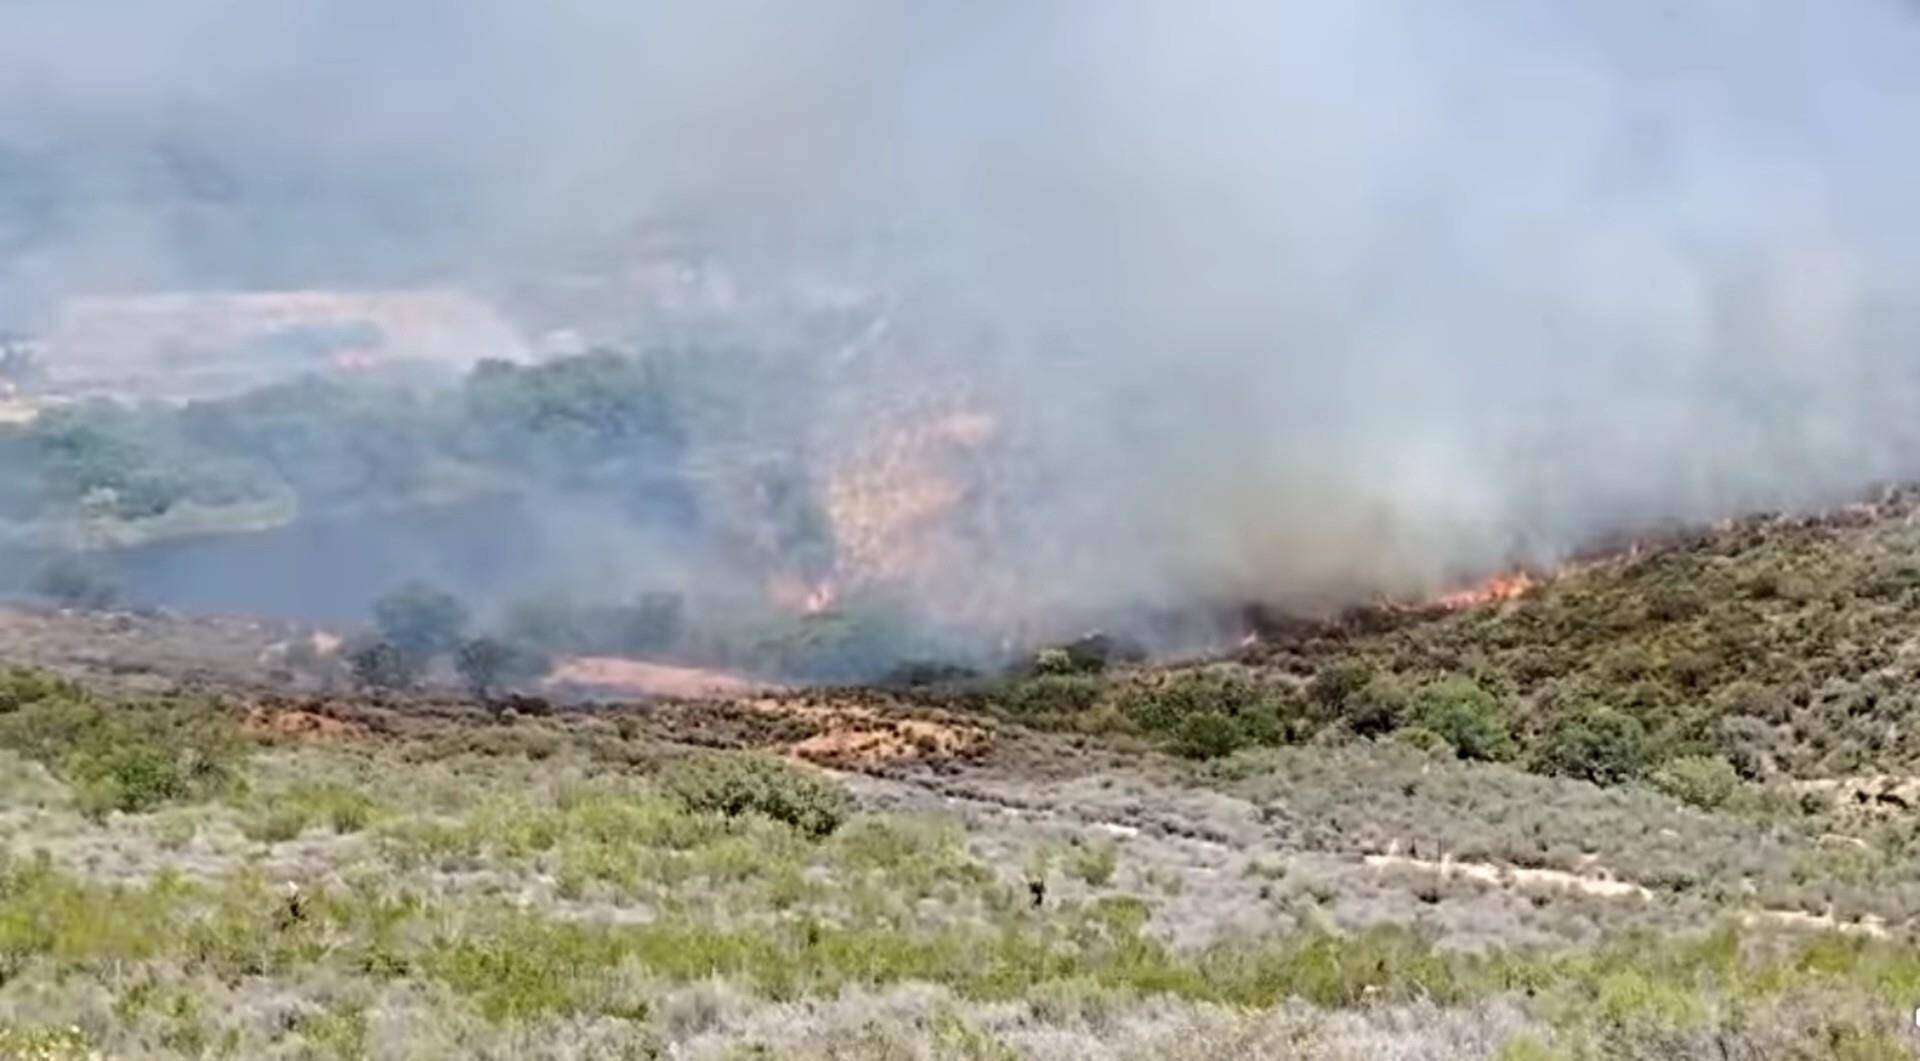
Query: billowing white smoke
{"type": "Point", "coordinates": [1285, 299]}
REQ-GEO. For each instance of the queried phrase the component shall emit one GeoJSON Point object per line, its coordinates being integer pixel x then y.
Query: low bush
{"type": "Point", "coordinates": [1054, 662]}
{"type": "Point", "coordinates": [286, 813]}
{"type": "Point", "coordinates": [1595, 743]}
{"type": "Point", "coordinates": [127, 757]}
{"type": "Point", "coordinates": [1467, 717]}
{"type": "Point", "coordinates": [1051, 694]}
{"type": "Point", "coordinates": [42, 1043]}
{"type": "Point", "coordinates": [1208, 735]}
{"type": "Point", "coordinates": [1094, 863]}
{"type": "Point", "coordinates": [1377, 708]}
{"type": "Point", "coordinates": [22, 685]}
{"type": "Point", "coordinates": [1163, 705]}
{"type": "Point", "coordinates": [1334, 684]}
{"type": "Point", "coordinates": [1704, 781]}
{"type": "Point", "coordinates": [1424, 739]}
{"type": "Point", "coordinates": [733, 785]}
{"type": "Point", "coordinates": [1090, 654]}
{"type": "Point", "coordinates": [1210, 712]}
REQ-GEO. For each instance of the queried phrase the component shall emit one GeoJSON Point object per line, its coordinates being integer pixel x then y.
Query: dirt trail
{"type": "Point", "coordinates": [1503, 875]}
{"type": "Point", "coordinates": [1607, 886]}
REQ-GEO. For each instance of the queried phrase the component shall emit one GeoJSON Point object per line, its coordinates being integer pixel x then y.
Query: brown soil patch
{"type": "Point", "coordinates": [853, 735]}
{"type": "Point", "coordinates": [868, 744]}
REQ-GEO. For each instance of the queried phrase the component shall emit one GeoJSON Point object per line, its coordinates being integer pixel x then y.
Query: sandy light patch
{"type": "Point", "coordinates": [632, 677]}
{"type": "Point", "coordinates": [1504, 876]}
{"type": "Point", "coordinates": [1869, 926]}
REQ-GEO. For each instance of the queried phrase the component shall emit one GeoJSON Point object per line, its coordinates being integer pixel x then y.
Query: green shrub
{"type": "Point", "coordinates": [1054, 661]}
{"type": "Point", "coordinates": [1094, 863]}
{"type": "Point", "coordinates": [751, 784]}
{"type": "Point", "coordinates": [1596, 743]}
{"type": "Point", "coordinates": [277, 825]}
{"type": "Point", "coordinates": [1377, 708]}
{"type": "Point", "coordinates": [286, 813]}
{"type": "Point", "coordinates": [1208, 735]}
{"type": "Point", "coordinates": [1334, 684]}
{"type": "Point", "coordinates": [128, 757]}
{"type": "Point", "coordinates": [1091, 654]}
{"type": "Point", "coordinates": [23, 685]}
{"type": "Point", "coordinates": [1674, 603]}
{"type": "Point", "coordinates": [44, 1043]}
{"type": "Point", "coordinates": [1467, 717]}
{"type": "Point", "coordinates": [1704, 781]}
{"type": "Point", "coordinates": [1209, 713]}
{"type": "Point", "coordinates": [1051, 694]}
{"type": "Point", "coordinates": [1424, 739]}
{"type": "Point", "coordinates": [1163, 705]}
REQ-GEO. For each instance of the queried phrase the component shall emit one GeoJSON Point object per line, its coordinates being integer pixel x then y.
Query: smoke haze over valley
{"type": "Point", "coordinates": [1027, 315]}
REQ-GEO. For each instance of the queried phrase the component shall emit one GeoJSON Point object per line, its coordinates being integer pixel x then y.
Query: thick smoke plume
{"type": "Point", "coordinates": [1285, 301]}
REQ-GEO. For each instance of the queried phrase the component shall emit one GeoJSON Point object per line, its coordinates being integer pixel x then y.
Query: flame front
{"type": "Point", "coordinates": [1503, 587]}
{"type": "Point", "coordinates": [892, 502]}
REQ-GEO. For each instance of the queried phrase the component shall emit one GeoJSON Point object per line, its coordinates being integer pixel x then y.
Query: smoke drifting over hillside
{"type": "Point", "coordinates": [1286, 301]}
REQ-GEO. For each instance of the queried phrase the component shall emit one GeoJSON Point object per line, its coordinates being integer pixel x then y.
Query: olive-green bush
{"type": "Point", "coordinates": [737, 784]}
{"type": "Point", "coordinates": [1467, 716]}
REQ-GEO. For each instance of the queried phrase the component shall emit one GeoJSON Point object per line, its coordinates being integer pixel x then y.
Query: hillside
{"type": "Point", "coordinates": [1656, 805]}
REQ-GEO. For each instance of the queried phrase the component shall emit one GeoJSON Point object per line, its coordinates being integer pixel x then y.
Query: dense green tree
{"type": "Point", "coordinates": [1596, 743]}
{"type": "Point", "coordinates": [1469, 717]}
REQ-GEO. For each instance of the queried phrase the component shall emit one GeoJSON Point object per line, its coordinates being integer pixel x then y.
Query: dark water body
{"type": "Point", "coordinates": [329, 569]}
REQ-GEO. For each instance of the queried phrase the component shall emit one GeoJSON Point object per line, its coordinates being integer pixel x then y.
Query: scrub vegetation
{"type": "Point", "coordinates": [1423, 834]}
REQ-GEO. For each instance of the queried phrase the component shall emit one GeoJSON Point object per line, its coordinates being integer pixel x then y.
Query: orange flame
{"type": "Point", "coordinates": [891, 499]}
{"type": "Point", "coordinates": [1504, 587]}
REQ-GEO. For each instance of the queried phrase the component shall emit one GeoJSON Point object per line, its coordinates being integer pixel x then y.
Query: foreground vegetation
{"type": "Point", "coordinates": [1662, 806]}
{"type": "Point", "coordinates": [176, 887]}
